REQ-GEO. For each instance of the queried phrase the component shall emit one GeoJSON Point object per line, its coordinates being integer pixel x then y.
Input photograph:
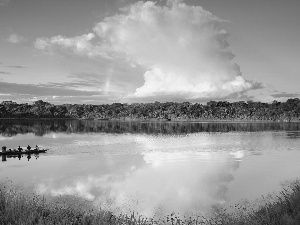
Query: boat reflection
{"type": "Point", "coordinates": [19, 156]}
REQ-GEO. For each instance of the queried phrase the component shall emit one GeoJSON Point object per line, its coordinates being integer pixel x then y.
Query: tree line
{"type": "Point", "coordinates": [157, 111]}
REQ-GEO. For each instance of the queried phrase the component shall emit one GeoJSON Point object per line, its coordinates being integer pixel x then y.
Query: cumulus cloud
{"type": "Point", "coordinates": [16, 39]}
{"type": "Point", "coordinates": [183, 49]}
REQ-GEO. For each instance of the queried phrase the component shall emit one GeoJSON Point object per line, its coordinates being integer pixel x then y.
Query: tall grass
{"type": "Point", "coordinates": [22, 207]}
{"type": "Point", "coordinates": [283, 208]}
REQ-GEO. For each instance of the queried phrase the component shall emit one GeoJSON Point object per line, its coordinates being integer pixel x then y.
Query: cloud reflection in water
{"type": "Point", "coordinates": [183, 182]}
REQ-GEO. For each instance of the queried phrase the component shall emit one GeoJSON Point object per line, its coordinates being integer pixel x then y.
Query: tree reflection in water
{"type": "Point", "coordinates": [41, 127]}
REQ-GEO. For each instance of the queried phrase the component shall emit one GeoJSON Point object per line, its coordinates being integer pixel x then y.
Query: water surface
{"type": "Point", "coordinates": [153, 168]}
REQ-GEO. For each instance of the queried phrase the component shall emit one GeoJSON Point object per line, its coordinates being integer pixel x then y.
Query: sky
{"type": "Point", "coordinates": [106, 51]}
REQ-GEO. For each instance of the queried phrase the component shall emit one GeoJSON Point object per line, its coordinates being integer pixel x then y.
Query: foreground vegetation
{"type": "Point", "coordinates": [19, 207]}
{"type": "Point", "coordinates": [216, 111]}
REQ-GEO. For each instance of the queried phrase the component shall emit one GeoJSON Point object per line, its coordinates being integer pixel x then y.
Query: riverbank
{"type": "Point", "coordinates": [159, 120]}
{"type": "Point", "coordinates": [20, 207]}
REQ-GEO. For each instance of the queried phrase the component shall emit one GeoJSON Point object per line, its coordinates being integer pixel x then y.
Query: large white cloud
{"type": "Point", "coordinates": [183, 49]}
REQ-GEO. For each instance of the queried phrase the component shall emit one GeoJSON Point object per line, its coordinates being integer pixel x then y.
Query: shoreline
{"type": "Point", "coordinates": [160, 120]}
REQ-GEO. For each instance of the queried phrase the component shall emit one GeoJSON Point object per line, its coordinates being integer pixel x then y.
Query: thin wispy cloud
{"type": "Point", "coordinates": [91, 83]}
{"type": "Point", "coordinates": [80, 45]}
{"type": "Point", "coordinates": [16, 39]}
{"type": "Point", "coordinates": [4, 72]}
{"type": "Point", "coordinates": [286, 95]}
{"type": "Point", "coordinates": [17, 67]}
{"type": "Point", "coordinates": [71, 92]}
{"type": "Point", "coordinates": [43, 89]}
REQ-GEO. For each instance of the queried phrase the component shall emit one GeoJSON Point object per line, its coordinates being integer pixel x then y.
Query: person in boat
{"type": "Point", "coordinates": [3, 149]}
{"type": "Point", "coordinates": [28, 147]}
{"type": "Point", "coordinates": [37, 147]}
{"type": "Point", "coordinates": [20, 149]}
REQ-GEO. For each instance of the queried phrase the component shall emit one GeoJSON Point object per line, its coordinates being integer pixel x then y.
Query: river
{"type": "Point", "coordinates": [149, 167]}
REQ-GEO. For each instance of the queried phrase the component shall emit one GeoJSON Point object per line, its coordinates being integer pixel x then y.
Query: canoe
{"type": "Point", "coordinates": [15, 152]}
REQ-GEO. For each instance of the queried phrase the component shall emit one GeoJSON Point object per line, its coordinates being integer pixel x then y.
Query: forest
{"type": "Point", "coordinates": [168, 111]}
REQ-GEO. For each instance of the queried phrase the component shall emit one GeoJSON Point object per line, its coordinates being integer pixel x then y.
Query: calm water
{"type": "Point", "coordinates": [153, 167]}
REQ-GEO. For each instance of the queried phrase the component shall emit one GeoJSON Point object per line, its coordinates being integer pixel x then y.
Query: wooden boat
{"type": "Point", "coordinates": [28, 152]}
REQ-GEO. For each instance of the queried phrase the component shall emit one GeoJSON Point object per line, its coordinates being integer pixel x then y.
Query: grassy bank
{"type": "Point", "coordinates": [20, 207]}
